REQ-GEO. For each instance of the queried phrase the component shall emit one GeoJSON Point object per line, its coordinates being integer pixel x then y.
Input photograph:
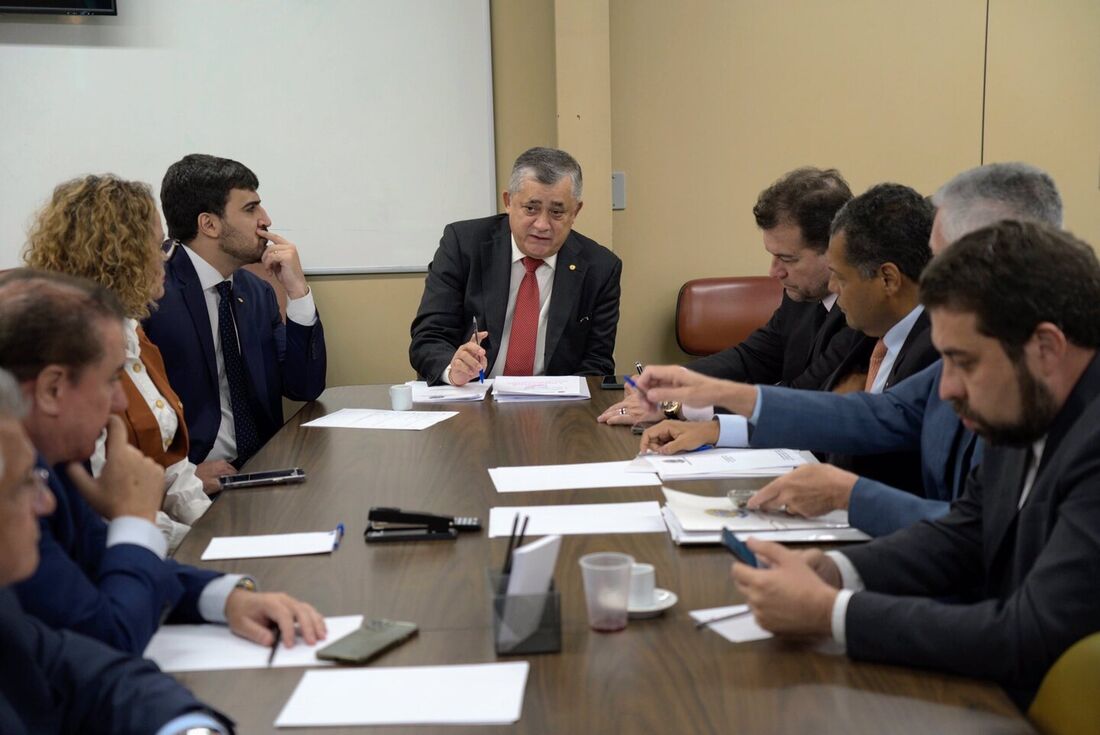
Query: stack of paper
{"type": "Point", "coordinates": [423, 393]}
{"type": "Point", "coordinates": [644, 517]}
{"type": "Point", "coordinates": [734, 623]}
{"type": "Point", "coordinates": [569, 477]}
{"type": "Point", "coordinates": [725, 463]}
{"type": "Point", "coordinates": [510, 388]}
{"type": "Point", "coordinates": [699, 519]}
{"type": "Point", "coordinates": [373, 418]}
{"type": "Point", "coordinates": [274, 544]}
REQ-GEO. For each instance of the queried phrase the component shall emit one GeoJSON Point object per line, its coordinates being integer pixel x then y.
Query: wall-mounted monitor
{"type": "Point", "coordinates": [60, 7]}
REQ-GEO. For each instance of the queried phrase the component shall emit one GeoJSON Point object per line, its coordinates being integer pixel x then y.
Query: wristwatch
{"type": "Point", "coordinates": [671, 409]}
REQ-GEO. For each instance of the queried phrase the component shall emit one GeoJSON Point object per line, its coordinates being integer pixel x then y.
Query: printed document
{"type": "Point", "coordinates": [275, 544]}
{"type": "Point", "coordinates": [510, 388]}
{"type": "Point", "coordinates": [569, 477]}
{"type": "Point", "coordinates": [374, 418]}
{"type": "Point", "coordinates": [644, 517]}
{"type": "Point", "coordinates": [474, 391]}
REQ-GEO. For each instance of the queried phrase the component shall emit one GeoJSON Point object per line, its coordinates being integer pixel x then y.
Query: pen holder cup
{"type": "Point", "coordinates": [524, 623]}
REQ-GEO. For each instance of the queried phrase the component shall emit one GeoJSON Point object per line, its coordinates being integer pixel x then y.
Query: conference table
{"type": "Point", "coordinates": [659, 675]}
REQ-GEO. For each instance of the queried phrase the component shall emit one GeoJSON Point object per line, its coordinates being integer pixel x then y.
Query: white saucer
{"type": "Point", "coordinates": [662, 600]}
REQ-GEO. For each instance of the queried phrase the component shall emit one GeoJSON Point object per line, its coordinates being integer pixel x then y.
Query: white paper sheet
{"type": "Point", "coordinates": [275, 544]}
{"type": "Point", "coordinates": [210, 647]}
{"type": "Point", "coordinates": [512, 388]}
{"type": "Point", "coordinates": [680, 537]}
{"type": "Point", "coordinates": [475, 694]}
{"type": "Point", "coordinates": [569, 477]}
{"type": "Point", "coordinates": [373, 418]}
{"type": "Point", "coordinates": [741, 629]}
{"type": "Point", "coordinates": [423, 393]}
{"type": "Point", "coordinates": [643, 517]}
{"type": "Point", "coordinates": [726, 463]}
{"type": "Point", "coordinates": [709, 513]}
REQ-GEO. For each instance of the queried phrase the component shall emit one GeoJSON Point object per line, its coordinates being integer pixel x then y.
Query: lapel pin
{"type": "Point", "coordinates": [240, 300]}
{"type": "Point", "coordinates": [572, 267]}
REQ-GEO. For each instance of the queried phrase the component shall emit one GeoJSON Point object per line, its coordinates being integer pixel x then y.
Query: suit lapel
{"type": "Point", "coordinates": [248, 315]}
{"type": "Point", "coordinates": [187, 281]}
{"type": "Point", "coordinates": [496, 276]}
{"type": "Point", "coordinates": [920, 326]}
{"type": "Point", "coordinates": [834, 320]}
{"type": "Point", "coordinates": [568, 277]}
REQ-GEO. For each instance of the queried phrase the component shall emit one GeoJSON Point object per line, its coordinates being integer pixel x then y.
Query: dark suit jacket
{"type": "Point", "coordinates": [910, 416]}
{"type": "Point", "coordinates": [1029, 576]}
{"type": "Point", "coordinates": [469, 276]}
{"type": "Point", "coordinates": [60, 682]}
{"type": "Point", "coordinates": [900, 469]}
{"type": "Point", "coordinates": [796, 348]}
{"type": "Point", "coordinates": [282, 360]}
{"type": "Point", "coordinates": [117, 595]}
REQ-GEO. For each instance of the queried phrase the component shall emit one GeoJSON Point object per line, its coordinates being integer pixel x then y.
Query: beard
{"type": "Point", "coordinates": [1037, 412]}
{"type": "Point", "coordinates": [245, 248]}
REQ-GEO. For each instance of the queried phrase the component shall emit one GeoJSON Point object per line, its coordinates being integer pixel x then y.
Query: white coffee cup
{"type": "Point", "coordinates": [643, 582]}
{"type": "Point", "coordinates": [401, 397]}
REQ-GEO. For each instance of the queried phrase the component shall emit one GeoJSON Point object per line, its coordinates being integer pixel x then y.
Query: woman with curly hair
{"type": "Point", "coordinates": [108, 230]}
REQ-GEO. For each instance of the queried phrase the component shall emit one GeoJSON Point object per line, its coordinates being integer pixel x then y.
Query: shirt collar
{"type": "Point", "coordinates": [829, 302]}
{"type": "Point", "coordinates": [517, 254]}
{"type": "Point", "coordinates": [895, 337]}
{"type": "Point", "coordinates": [208, 274]}
{"type": "Point", "coordinates": [133, 346]}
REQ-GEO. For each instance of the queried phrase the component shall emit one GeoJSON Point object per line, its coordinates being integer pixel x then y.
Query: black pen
{"type": "Point", "coordinates": [274, 628]}
{"type": "Point", "coordinates": [708, 621]}
{"type": "Point", "coordinates": [507, 568]}
{"type": "Point", "coordinates": [639, 366]}
{"type": "Point", "coordinates": [522, 531]}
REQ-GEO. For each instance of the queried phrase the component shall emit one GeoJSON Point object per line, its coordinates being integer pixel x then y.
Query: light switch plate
{"type": "Point", "coordinates": [618, 190]}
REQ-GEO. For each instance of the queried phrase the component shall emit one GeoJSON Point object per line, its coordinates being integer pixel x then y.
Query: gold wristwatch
{"type": "Point", "coordinates": [671, 409]}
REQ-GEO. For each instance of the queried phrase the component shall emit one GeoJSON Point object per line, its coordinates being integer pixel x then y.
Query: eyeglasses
{"type": "Point", "coordinates": [168, 248]}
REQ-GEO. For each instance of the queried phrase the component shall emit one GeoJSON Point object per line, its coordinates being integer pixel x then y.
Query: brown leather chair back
{"type": "Point", "coordinates": [257, 269]}
{"type": "Point", "coordinates": [715, 313]}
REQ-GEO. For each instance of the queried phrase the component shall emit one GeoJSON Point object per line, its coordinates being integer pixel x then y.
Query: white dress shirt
{"type": "Point", "coordinates": [894, 339]}
{"type": "Point", "coordinates": [544, 275]}
{"type": "Point", "coordinates": [301, 311]}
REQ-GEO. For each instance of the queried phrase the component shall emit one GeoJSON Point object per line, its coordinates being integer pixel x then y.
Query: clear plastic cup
{"type": "Point", "coordinates": [607, 589]}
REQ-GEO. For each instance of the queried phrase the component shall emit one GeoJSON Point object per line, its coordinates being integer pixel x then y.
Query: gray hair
{"type": "Point", "coordinates": [12, 404]}
{"type": "Point", "coordinates": [988, 194]}
{"type": "Point", "coordinates": [547, 166]}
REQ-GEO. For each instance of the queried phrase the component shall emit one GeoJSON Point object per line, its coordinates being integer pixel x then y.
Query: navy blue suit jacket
{"type": "Point", "coordinates": [469, 276]}
{"type": "Point", "coordinates": [282, 359]}
{"type": "Point", "coordinates": [1028, 576]}
{"type": "Point", "coordinates": [909, 416]}
{"type": "Point", "coordinates": [118, 595]}
{"type": "Point", "coordinates": [61, 682]}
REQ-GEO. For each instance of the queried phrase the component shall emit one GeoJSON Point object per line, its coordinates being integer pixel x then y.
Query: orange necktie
{"type": "Point", "coordinates": [877, 356]}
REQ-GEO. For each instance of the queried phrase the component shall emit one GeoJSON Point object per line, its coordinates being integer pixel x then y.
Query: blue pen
{"type": "Point", "coordinates": [702, 448]}
{"type": "Point", "coordinates": [339, 531]}
{"type": "Point", "coordinates": [480, 372]}
{"type": "Point", "coordinates": [630, 381]}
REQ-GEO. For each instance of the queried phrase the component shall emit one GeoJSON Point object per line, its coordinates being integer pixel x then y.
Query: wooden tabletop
{"type": "Point", "coordinates": [656, 676]}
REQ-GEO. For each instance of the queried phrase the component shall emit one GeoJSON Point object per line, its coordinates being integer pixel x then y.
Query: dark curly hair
{"type": "Point", "coordinates": [807, 197]}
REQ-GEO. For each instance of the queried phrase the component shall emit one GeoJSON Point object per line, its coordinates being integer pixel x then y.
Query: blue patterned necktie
{"type": "Point", "coordinates": [247, 438]}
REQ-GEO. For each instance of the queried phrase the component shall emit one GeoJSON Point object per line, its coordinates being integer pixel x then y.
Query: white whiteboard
{"type": "Point", "coordinates": [368, 122]}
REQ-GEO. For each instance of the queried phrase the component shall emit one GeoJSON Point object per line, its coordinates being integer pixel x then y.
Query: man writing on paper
{"type": "Point", "coordinates": [546, 296]}
{"type": "Point", "coordinates": [1014, 313]}
{"type": "Point", "coordinates": [51, 681]}
{"type": "Point", "coordinates": [910, 416]}
{"type": "Point", "coordinates": [806, 338]}
{"type": "Point", "coordinates": [229, 356]}
{"type": "Point", "coordinates": [62, 338]}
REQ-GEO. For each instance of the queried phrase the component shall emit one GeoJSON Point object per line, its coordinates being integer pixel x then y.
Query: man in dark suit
{"type": "Point", "coordinates": [911, 415]}
{"type": "Point", "coordinates": [229, 356]}
{"type": "Point", "coordinates": [51, 681]}
{"type": "Point", "coordinates": [62, 338]}
{"type": "Point", "coordinates": [806, 338]}
{"type": "Point", "coordinates": [545, 298]}
{"type": "Point", "coordinates": [1005, 582]}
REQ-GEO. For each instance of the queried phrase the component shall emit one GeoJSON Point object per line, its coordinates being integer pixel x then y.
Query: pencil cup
{"type": "Point", "coordinates": [607, 589]}
{"type": "Point", "coordinates": [401, 397]}
{"type": "Point", "coordinates": [524, 623]}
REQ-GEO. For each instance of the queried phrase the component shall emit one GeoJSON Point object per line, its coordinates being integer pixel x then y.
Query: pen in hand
{"type": "Point", "coordinates": [274, 628]}
{"type": "Point", "coordinates": [480, 371]}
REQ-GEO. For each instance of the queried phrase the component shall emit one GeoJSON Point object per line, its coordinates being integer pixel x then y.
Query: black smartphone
{"type": "Point", "coordinates": [641, 426]}
{"type": "Point", "coordinates": [271, 477]}
{"type": "Point", "coordinates": [611, 382]}
{"type": "Point", "coordinates": [737, 547]}
{"type": "Point", "coordinates": [372, 639]}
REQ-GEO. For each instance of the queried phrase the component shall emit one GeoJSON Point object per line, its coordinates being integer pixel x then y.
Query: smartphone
{"type": "Point", "coordinates": [254, 479]}
{"type": "Point", "coordinates": [641, 426]}
{"type": "Point", "coordinates": [611, 382]}
{"type": "Point", "coordinates": [737, 547]}
{"type": "Point", "coordinates": [372, 639]}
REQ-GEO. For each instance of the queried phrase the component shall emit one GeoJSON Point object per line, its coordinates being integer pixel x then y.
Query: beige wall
{"type": "Point", "coordinates": [708, 101]}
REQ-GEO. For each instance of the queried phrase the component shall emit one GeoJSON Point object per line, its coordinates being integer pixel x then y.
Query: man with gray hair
{"type": "Point", "coordinates": [544, 298]}
{"type": "Point", "coordinates": [910, 416]}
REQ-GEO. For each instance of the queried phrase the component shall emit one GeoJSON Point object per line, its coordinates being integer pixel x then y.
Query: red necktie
{"type": "Point", "coordinates": [525, 323]}
{"type": "Point", "coordinates": [877, 356]}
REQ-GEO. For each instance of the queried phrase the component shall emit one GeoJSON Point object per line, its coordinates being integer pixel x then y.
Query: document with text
{"type": "Point", "coordinates": [569, 477]}
{"type": "Point", "coordinates": [510, 388]}
{"type": "Point", "coordinates": [275, 544]}
{"type": "Point", "coordinates": [374, 418]}
{"type": "Point", "coordinates": [643, 517]}
{"type": "Point", "coordinates": [424, 393]}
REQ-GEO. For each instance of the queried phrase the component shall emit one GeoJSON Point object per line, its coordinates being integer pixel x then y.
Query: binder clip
{"type": "Point", "coordinates": [394, 524]}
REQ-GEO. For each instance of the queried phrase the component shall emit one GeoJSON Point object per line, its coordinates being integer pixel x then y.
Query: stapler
{"type": "Point", "coordinates": [394, 524]}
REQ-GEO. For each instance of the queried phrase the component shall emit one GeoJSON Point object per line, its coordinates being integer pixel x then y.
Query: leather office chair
{"type": "Point", "coordinates": [715, 313]}
{"type": "Point", "coordinates": [1067, 701]}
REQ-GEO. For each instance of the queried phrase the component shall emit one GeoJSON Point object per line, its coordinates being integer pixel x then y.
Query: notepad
{"type": "Point", "coordinates": [512, 388]}
{"type": "Point", "coordinates": [372, 418]}
{"type": "Point", "coordinates": [424, 393]}
{"type": "Point", "coordinates": [644, 517]}
{"type": "Point", "coordinates": [474, 694]}
{"type": "Point", "coordinates": [276, 544]}
{"type": "Point", "coordinates": [738, 630]}
{"type": "Point", "coordinates": [569, 477]}
{"type": "Point", "coordinates": [726, 463]}
{"type": "Point", "coordinates": [209, 647]}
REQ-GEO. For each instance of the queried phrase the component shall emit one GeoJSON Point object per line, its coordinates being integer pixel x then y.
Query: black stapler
{"type": "Point", "coordinates": [394, 524]}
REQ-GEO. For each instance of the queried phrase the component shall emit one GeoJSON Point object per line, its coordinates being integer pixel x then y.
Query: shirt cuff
{"type": "Point", "coordinates": [446, 377]}
{"type": "Point", "coordinates": [213, 596]}
{"type": "Point", "coordinates": [691, 413]}
{"type": "Point", "coordinates": [733, 431]}
{"type": "Point", "coordinates": [183, 723]}
{"type": "Point", "coordinates": [139, 532]}
{"type": "Point", "coordinates": [849, 575]}
{"type": "Point", "coordinates": [302, 310]}
{"type": "Point", "coordinates": [756, 409]}
{"type": "Point", "coordinates": [840, 616]}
